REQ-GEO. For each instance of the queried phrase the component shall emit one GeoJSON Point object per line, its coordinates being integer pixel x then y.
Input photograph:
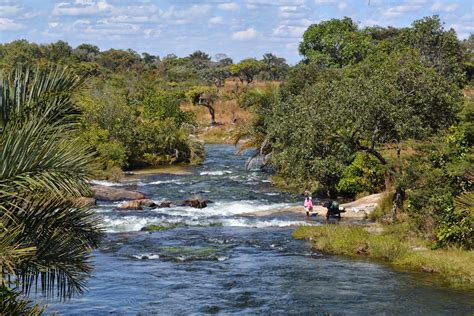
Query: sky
{"type": "Point", "coordinates": [240, 29]}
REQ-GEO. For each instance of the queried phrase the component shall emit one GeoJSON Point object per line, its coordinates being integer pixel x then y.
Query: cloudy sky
{"type": "Point", "coordinates": [241, 28]}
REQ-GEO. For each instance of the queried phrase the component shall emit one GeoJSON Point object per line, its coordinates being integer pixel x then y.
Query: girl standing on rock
{"type": "Point", "coordinates": [308, 205]}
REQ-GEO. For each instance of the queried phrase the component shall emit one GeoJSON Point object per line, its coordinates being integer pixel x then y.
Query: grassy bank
{"type": "Point", "coordinates": [394, 246]}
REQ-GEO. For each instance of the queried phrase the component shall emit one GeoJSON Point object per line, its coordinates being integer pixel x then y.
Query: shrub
{"type": "Point", "coordinates": [364, 174]}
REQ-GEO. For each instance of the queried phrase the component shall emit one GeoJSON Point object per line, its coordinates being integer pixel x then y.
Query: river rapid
{"type": "Point", "coordinates": [222, 260]}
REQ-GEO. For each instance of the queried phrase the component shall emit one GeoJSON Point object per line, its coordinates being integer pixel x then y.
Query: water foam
{"type": "Point", "coordinates": [215, 173]}
{"type": "Point", "coordinates": [245, 222]}
{"type": "Point", "coordinates": [107, 183]}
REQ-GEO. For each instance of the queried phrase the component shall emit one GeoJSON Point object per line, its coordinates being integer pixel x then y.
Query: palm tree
{"type": "Point", "coordinates": [46, 237]}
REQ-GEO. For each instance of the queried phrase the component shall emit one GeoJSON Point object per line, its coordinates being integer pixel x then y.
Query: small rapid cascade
{"type": "Point", "coordinates": [235, 255]}
{"type": "Point", "coordinates": [222, 178]}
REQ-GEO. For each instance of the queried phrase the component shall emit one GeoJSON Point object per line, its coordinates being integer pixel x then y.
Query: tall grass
{"type": "Point", "coordinates": [395, 246]}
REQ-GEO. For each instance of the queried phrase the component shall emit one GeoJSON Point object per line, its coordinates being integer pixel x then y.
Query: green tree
{"type": "Point", "coordinates": [335, 43]}
{"type": "Point", "coordinates": [204, 96]}
{"type": "Point", "coordinates": [164, 105]}
{"type": "Point", "coordinates": [86, 52]}
{"type": "Point", "coordinates": [247, 69]}
{"type": "Point", "coordinates": [215, 75]}
{"type": "Point", "coordinates": [439, 48]}
{"type": "Point", "coordinates": [45, 234]}
{"type": "Point", "coordinates": [275, 67]}
{"type": "Point", "coordinates": [385, 99]}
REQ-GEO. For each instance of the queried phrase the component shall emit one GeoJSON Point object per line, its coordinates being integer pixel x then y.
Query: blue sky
{"type": "Point", "coordinates": [242, 28]}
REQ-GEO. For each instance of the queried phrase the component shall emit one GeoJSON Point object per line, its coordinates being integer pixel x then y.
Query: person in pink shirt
{"type": "Point", "coordinates": [308, 205]}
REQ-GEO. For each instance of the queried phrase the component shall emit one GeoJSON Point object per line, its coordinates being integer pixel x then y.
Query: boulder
{"type": "Point", "coordinates": [164, 204]}
{"type": "Point", "coordinates": [148, 203]}
{"type": "Point", "coordinates": [105, 193]}
{"type": "Point", "coordinates": [196, 203]}
{"type": "Point", "coordinates": [137, 204]}
{"type": "Point", "coordinates": [131, 205]}
{"type": "Point", "coordinates": [85, 201]}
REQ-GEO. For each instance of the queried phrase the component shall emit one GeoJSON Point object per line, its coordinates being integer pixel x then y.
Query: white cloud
{"type": "Point", "coordinates": [253, 3]}
{"type": "Point", "coordinates": [216, 20]}
{"type": "Point", "coordinates": [151, 33]}
{"type": "Point", "coordinates": [82, 7]}
{"type": "Point", "coordinates": [289, 31]}
{"type": "Point", "coordinates": [440, 6]}
{"type": "Point", "coordinates": [407, 7]}
{"type": "Point", "coordinates": [9, 9]}
{"type": "Point", "coordinates": [245, 34]}
{"type": "Point", "coordinates": [53, 24]}
{"type": "Point", "coordinates": [229, 6]}
{"type": "Point", "coordinates": [194, 11]}
{"type": "Point", "coordinates": [341, 5]}
{"type": "Point", "coordinates": [10, 25]}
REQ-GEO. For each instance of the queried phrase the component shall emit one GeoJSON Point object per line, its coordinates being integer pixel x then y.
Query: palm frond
{"type": "Point", "coordinates": [465, 203]}
{"type": "Point", "coordinates": [43, 92]}
{"type": "Point", "coordinates": [42, 170]}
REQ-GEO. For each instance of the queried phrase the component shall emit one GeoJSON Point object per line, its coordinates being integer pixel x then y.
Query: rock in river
{"type": "Point", "coordinates": [196, 203]}
{"type": "Point", "coordinates": [113, 194]}
{"type": "Point", "coordinates": [131, 205]}
{"type": "Point", "coordinates": [137, 204]}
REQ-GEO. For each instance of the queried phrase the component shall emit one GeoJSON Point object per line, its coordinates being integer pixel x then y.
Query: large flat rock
{"type": "Point", "coordinates": [105, 193]}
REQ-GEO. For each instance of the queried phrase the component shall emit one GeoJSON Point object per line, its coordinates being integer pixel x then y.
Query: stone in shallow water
{"type": "Point", "coordinates": [113, 194]}
{"type": "Point", "coordinates": [196, 203]}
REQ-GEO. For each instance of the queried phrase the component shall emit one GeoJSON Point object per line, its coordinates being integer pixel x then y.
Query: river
{"type": "Point", "coordinates": [221, 260]}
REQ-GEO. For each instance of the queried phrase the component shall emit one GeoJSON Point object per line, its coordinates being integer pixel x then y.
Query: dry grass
{"type": "Point", "coordinates": [228, 113]}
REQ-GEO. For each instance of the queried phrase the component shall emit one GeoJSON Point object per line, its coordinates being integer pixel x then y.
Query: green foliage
{"type": "Point", "coordinates": [335, 43]}
{"type": "Point", "coordinates": [44, 235]}
{"type": "Point", "coordinates": [163, 142]}
{"type": "Point", "coordinates": [275, 68]}
{"type": "Point", "coordinates": [384, 207]}
{"type": "Point", "coordinates": [215, 75]}
{"type": "Point", "coordinates": [247, 69]}
{"type": "Point", "coordinates": [163, 105]}
{"type": "Point", "coordinates": [365, 173]}
{"type": "Point", "coordinates": [112, 154]}
{"type": "Point", "coordinates": [440, 49]}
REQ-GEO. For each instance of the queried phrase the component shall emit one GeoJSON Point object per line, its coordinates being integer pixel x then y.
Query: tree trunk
{"type": "Point", "coordinates": [212, 113]}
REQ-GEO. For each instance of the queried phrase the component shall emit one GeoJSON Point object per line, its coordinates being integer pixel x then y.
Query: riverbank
{"type": "Point", "coordinates": [358, 209]}
{"type": "Point", "coordinates": [395, 246]}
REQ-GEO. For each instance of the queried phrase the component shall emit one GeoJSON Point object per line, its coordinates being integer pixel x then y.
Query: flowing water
{"type": "Point", "coordinates": [221, 259]}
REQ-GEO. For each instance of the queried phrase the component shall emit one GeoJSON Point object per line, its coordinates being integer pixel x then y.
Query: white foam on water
{"type": "Point", "coordinates": [223, 209]}
{"type": "Point", "coordinates": [146, 256]}
{"type": "Point", "coordinates": [215, 173]}
{"type": "Point", "coordinates": [245, 222]}
{"type": "Point", "coordinates": [124, 224]}
{"type": "Point", "coordinates": [166, 182]}
{"type": "Point", "coordinates": [108, 183]}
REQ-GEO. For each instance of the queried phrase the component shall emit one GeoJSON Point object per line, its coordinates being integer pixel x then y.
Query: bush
{"type": "Point", "coordinates": [364, 174]}
{"type": "Point", "coordinates": [112, 154]}
{"type": "Point", "coordinates": [164, 105]}
{"type": "Point", "coordinates": [383, 208]}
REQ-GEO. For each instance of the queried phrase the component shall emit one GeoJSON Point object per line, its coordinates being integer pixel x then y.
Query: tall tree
{"type": "Point", "coordinates": [247, 69]}
{"type": "Point", "coordinates": [335, 43]}
{"type": "Point", "coordinates": [439, 48]}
